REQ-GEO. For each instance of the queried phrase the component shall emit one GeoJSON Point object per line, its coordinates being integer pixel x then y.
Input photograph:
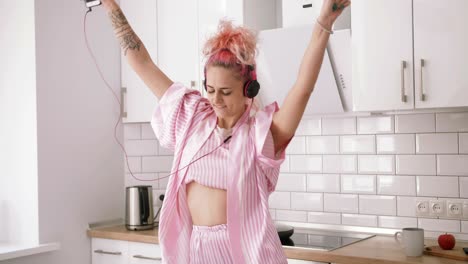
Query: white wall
{"type": "Point", "coordinates": [18, 184]}
{"type": "Point", "coordinates": [80, 165]}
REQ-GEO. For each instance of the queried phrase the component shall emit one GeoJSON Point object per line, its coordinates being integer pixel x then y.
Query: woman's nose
{"type": "Point", "coordinates": [217, 97]}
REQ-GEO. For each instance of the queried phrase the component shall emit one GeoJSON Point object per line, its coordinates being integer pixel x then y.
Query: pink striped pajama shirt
{"type": "Point", "coordinates": [185, 122]}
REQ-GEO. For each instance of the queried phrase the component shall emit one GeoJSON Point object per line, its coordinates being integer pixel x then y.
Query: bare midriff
{"type": "Point", "coordinates": [207, 205]}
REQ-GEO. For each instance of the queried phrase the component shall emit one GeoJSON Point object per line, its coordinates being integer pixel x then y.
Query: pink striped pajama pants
{"type": "Point", "coordinates": [210, 245]}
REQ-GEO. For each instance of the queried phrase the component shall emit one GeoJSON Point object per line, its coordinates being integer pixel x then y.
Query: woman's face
{"type": "Point", "coordinates": [224, 89]}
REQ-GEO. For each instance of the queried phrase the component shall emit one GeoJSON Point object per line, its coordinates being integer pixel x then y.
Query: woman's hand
{"type": "Point", "coordinates": [109, 4]}
{"type": "Point", "coordinates": [331, 10]}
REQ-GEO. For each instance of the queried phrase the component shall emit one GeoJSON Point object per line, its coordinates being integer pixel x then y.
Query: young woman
{"type": "Point", "coordinates": [216, 208]}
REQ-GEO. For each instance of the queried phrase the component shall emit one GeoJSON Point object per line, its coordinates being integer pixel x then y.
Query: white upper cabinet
{"type": "Point", "coordinates": [389, 42]}
{"type": "Point", "coordinates": [137, 99]}
{"type": "Point", "coordinates": [382, 55]}
{"type": "Point", "coordinates": [441, 41]}
{"type": "Point", "coordinates": [177, 32]}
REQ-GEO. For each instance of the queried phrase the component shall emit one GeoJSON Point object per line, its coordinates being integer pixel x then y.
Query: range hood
{"type": "Point", "coordinates": [279, 58]}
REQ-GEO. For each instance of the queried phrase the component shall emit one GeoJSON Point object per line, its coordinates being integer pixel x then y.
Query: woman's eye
{"type": "Point", "coordinates": [227, 93]}
{"type": "Point", "coordinates": [208, 91]}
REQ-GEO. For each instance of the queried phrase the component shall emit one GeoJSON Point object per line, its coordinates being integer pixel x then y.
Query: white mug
{"type": "Point", "coordinates": [413, 241]}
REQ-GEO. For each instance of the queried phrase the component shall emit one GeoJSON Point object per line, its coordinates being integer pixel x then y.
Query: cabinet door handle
{"type": "Point", "coordinates": [100, 251]}
{"type": "Point", "coordinates": [403, 95]}
{"type": "Point", "coordinates": [143, 257]}
{"type": "Point", "coordinates": [123, 91]}
{"type": "Point", "coordinates": [422, 95]}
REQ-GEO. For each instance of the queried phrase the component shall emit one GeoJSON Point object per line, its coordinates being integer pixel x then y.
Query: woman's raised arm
{"type": "Point", "coordinates": [286, 120]}
{"type": "Point", "coordinates": [137, 55]}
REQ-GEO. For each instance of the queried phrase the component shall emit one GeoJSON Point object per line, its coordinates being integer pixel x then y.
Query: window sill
{"type": "Point", "coordinates": [11, 251]}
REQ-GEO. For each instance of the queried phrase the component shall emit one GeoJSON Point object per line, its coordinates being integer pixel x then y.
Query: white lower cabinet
{"type": "Point", "coordinates": [144, 253]}
{"type": "Point", "coordinates": [109, 251]}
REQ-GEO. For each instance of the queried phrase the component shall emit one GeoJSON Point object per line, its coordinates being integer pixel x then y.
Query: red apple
{"type": "Point", "coordinates": [446, 241]}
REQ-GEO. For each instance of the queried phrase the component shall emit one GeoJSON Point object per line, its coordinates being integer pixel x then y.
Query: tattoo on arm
{"type": "Point", "coordinates": [128, 39]}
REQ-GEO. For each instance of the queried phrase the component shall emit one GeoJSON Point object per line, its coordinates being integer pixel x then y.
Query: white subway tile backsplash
{"type": "Point", "coordinates": [297, 145]}
{"type": "Point", "coordinates": [364, 144]}
{"type": "Point", "coordinates": [463, 143]}
{"type": "Point", "coordinates": [132, 131]}
{"type": "Point", "coordinates": [307, 201]}
{"type": "Point", "coordinates": [291, 182]}
{"type": "Point", "coordinates": [309, 127]}
{"type": "Point", "coordinates": [157, 163]}
{"type": "Point", "coordinates": [437, 186]}
{"type": "Point", "coordinates": [305, 163]}
{"type": "Point", "coordinates": [397, 222]}
{"type": "Point", "coordinates": [437, 143]}
{"type": "Point", "coordinates": [141, 147]}
{"type": "Point", "coordinates": [339, 126]}
{"type": "Point", "coordinates": [323, 183]}
{"type": "Point", "coordinates": [396, 144]}
{"type": "Point", "coordinates": [134, 163]}
{"type": "Point", "coordinates": [464, 226]}
{"type": "Point", "coordinates": [292, 216]}
{"type": "Point", "coordinates": [452, 122]}
{"type": "Point", "coordinates": [406, 206]}
{"type": "Point", "coordinates": [415, 123]}
{"type": "Point", "coordinates": [396, 185]}
{"type": "Point", "coordinates": [280, 200]}
{"type": "Point", "coordinates": [377, 204]}
{"type": "Point", "coordinates": [163, 180]}
{"type": "Point", "coordinates": [324, 218]}
{"type": "Point", "coordinates": [439, 225]}
{"type": "Point", "coordinates": [357, 183]}
{"type": "Point", "coordinates": [359, 220]}
{"type": "Point", "coordinates": [285, 165]}
{"type": "Point", "coordinates": [339, 164]}
{"type": "Point", "coordinates": [463, 187]}
{"type": "Point", "coordinates": [323, 145]}
{"type": "Point", "coordinates": [341, 170]}
{"type": "Point", "coordinates": [147, 131]}
{"type": "Point", "coordinates": [345, 203]}
{"type": "Point", "coordinates": [379, 164]}
{"type": "Point", "coordinates": [416, 164]}
{"type": "Point", "coordinates": [452, 165]}
{"type": "Point", "coordinates": [375, 125]}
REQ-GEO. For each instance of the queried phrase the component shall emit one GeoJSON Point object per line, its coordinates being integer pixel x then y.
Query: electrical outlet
{"type": "Point", "coordinates": [422, 208]}
{"type": "Point", "coordinates": [454, 209]}
{"type": "Point", "coordinates": [437, 208]}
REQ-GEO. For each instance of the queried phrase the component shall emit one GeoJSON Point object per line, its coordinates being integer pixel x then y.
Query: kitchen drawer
{"type": "Point", "coordinates": [108, 251]}
{"type": "Point", "coordinates": [144, 253]}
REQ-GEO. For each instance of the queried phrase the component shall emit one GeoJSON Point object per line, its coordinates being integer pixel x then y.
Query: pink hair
{"type": "Point", "coordinates": [232, 47]}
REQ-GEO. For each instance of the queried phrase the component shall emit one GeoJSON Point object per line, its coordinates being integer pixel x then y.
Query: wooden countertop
{"type": "Point", "coordinates": [120, 232]}
{"type": "Point", "coordinates": [378, 249]}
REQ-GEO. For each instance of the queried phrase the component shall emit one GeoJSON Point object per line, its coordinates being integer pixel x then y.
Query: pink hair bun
{"type": "Point", "coordinates": [241, 43]}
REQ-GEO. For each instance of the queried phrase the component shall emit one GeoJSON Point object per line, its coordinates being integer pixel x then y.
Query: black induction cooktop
{"type": "Point", "coordinates": [323, 240]}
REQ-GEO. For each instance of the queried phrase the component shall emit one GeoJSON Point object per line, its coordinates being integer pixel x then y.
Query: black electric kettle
{"type": "Point", "coordinates": [139, 207]}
